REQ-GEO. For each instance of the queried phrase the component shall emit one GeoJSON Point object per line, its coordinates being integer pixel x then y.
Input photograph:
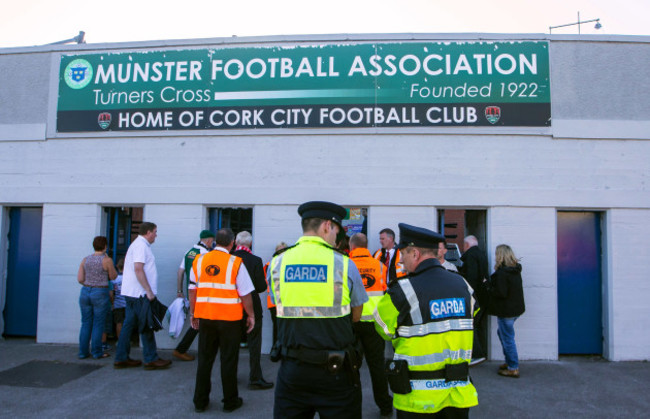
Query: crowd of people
{"type": "Point", "coordinates": [332, 304]}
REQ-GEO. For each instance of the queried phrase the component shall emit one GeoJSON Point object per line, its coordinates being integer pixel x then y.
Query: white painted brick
{"type": "Point", "coordinates": [67, 237]}
{"type": "Point", "coordinates": [532, 235]}
{"type": "Point", "coordinates": [628, 284]}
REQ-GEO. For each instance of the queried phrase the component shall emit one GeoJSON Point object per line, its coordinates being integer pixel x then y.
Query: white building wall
{"type": "Point", "coordinates": [531, 232]}
{"type": "Point", "coordinates": [628, 264]}
{"type": "Point", "coordinates": [67, 237]}
{"type": "Point", "coordinates": [380, 217]}
{"type": "Point", "coordinates": [178, 229]}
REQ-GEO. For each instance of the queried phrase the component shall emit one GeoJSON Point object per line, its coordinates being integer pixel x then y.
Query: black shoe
{"type": "Point", "coordinates": [232, 407]}
{"type": "Point", "coordinates": [201, 409]}
{"type": "Point", "coordinates": [260, 385]}
{"type": "Point", "coordinates": [386, 412]}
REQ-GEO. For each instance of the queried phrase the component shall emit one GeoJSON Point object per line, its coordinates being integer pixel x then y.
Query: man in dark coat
{"type": "Point", "coordinates": [475, 271]}
{"type": "Point", "coordinates": [255, 268]}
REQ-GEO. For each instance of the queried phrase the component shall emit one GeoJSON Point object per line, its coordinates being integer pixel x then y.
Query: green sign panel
{"type": "Point", "coordinates": [357, 85]}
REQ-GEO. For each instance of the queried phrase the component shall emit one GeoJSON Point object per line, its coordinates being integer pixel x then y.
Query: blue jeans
{"type": "Point", "coordinates": [131, 320]}
{"type": "Point", "coordinates": [94, 304]}
{"type": "Point", "coordinates": [506, 332]}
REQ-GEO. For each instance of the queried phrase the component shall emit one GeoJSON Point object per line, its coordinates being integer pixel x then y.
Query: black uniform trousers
{"type": "Point", "coordinates": [373, 350]}
{"type": "Point", "coordinates": [479, 349]}
{"type": "Point", "coordinates": [303, 389]}
{"type": "Point", "coordinates": [185, 343]}
{"type": "Point", "coordinates": [255, 351]}
{"type": "Point", "coordinates": [215, 335]}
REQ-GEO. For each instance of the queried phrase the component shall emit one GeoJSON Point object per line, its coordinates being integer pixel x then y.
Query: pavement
{"type": "Point", "coordinates": [65, 387]}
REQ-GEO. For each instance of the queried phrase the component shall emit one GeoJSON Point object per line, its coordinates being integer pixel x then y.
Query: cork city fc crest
{"type": "Point", "coordinates": [104, 120]}
{"type": "Point", "coordinates": [492, 114]}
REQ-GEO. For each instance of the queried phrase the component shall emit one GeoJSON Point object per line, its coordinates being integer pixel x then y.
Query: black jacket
{"type": "Point", "coordinates": [255, 268]}
{"type": "Point", "coordinates": [474, 270]}
{"type": "Point", "coordinates": [506, 292]}
{"type": "Point", "coordinates": [152, 313]}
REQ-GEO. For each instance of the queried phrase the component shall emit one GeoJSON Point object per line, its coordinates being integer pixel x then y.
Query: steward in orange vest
{"type": "Point", "coordinates": [223, 291]}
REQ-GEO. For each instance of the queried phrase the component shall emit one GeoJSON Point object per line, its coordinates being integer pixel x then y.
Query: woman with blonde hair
{"type": "Point", "coordinates": [507, 303]}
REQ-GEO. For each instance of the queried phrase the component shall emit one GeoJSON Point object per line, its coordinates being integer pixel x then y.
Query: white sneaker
{"type": "Point", "coordinates": [476, 361]}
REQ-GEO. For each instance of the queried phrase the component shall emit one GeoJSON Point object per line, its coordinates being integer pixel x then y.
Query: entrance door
{"type": "Point", "coordinates": [579, 285]}
{"type": "Point", "coordinates": [23, 269]}
{"type": "Point", "coordinates": [237, 219]}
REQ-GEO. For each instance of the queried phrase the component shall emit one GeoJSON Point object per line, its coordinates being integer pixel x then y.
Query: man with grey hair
{"type": "Point", "coordinates": [475, 271]}
{"type": "Point", "coordinates": [255, 268]}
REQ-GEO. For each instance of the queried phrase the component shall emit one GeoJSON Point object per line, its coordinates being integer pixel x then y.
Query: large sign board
{"type": "Point", "coordinates": [407, 84]}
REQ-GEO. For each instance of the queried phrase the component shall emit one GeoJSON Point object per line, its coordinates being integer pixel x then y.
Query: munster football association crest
{"type": "Point", "coordinates": [492, 114]}
{"type": "Point", "coordinates": [78, 74]}
{"type": "Point", "coordinates": [104, 120]}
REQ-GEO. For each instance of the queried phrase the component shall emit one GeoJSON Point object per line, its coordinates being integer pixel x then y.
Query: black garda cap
{"type": "Point", "coordinates": [419, 237]}
{"type": "Point", "coordinates": [324, 210]}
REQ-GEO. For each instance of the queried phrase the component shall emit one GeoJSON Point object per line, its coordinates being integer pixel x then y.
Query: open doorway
{"type": "Point", "coordinates": [237, 219]}
{"type": "Point", "coordinates": [456, 224]}
{"type": "Point", "coordinates": [121, 228]}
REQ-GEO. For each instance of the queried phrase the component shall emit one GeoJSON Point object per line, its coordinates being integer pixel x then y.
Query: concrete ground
{"type": "Point", "coordinates": [571, 387]}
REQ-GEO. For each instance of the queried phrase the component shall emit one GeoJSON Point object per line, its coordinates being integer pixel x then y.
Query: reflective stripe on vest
{"type": "Point", "coordinates": [216, 294]}
{"type": "Point", "coordinates": [307, 298]}
{"type": "Point", "coordinates": [446, 355]}
{"type": "Point", "coordinates": [380, 322]}
{"type": "Point", "coordinates": [437, 327]}
{"type": "Point", "coordinates": [409, 292]}
{"type": "Point", "coordinates": [436, 384]}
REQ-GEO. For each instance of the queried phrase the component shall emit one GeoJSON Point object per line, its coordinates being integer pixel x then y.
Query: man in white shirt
{"type": "Point", "coordinates": [139, 281]}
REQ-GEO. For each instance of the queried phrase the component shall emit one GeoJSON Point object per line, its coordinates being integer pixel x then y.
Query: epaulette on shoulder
{"type": "Point", "coordinates": [279, 252]}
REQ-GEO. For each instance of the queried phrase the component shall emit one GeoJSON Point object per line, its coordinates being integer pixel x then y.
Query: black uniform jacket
{"type": "Point", "coordinates": [255, 268]}
{"type": "Point", "coordinates": [431, 283]}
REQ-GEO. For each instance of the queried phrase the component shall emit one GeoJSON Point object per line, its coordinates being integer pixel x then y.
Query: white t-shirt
{"type": "Point", "coordinates": [139, 251]}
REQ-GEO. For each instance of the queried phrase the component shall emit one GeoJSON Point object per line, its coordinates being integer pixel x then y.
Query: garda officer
{"type": "Point", "coordinates": [428, 316]}
{"type": "Point", "coordinates": [373, 274]}
{"type": "Point", "coordinates": [223, 292]}
{"type": "Point", "coordinates": [318, 293]}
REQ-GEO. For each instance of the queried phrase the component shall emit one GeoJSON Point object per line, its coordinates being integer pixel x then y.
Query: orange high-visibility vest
{"type": "Point", "coordinates": [396, 262]}
{"type": "Point", "coordinates": [373, 273]}
{"type": "Point", "coordinates": [269, 303]}
{"type": "Point", "coordinates": [216, 288]}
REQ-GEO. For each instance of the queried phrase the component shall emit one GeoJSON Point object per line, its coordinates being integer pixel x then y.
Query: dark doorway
{"type": "Point", "coordinates": [122, 225]}
{"type": "Point", "coordinates": [23, 271]}
{"type": "Point", "coordinates": [456, 224]}
{"type": "Point", "coordinates": [579, 283]}
{"type": "Point", "coordinates": [237, 219]}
